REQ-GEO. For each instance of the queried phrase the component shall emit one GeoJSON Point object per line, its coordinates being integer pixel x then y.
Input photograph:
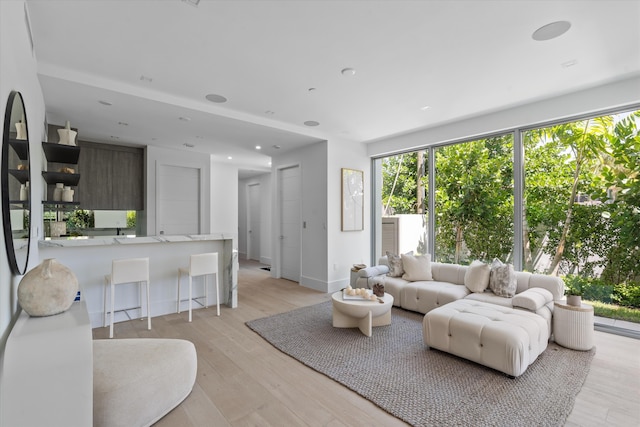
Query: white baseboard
{"type": "Point", "coordinates": [265, 260]}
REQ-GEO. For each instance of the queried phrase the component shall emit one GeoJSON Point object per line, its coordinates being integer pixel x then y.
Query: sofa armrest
{"type": "Point", "coordinates": [532, 299]}
{"type": "Point", "coordinates": [376, 270]}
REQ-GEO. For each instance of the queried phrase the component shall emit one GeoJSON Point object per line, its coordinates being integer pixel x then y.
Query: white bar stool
{"type": "Point", "coordinates": [132, 270]}
{"type": "Point", "coordinates": [200, 265]}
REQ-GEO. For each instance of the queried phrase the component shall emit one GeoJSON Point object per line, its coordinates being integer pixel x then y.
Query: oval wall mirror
{"type": "Point", "coordinates": [16, 191]}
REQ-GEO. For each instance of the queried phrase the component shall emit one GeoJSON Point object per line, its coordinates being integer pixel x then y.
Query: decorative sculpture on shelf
{"type": "Point", "coordinates": [67, 135]}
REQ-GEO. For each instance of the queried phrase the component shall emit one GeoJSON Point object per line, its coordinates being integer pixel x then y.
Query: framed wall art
{"type": "Point", "coordinates": [352, 200]}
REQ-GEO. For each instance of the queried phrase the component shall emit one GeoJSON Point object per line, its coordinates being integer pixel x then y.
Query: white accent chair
{"type": "Point", "coordinates": [131, 270]}
{"type": "Point", "coordinates": [200, 265]}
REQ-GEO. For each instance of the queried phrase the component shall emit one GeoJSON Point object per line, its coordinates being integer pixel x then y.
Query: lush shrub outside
{"type": "Point", "coordinates": [596, 289]}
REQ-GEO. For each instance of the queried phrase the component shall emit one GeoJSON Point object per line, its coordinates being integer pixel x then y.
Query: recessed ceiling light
{"type": "Point", "coordinates": [146, 78]}
{"type": "Point", "coordinates": [551, 31]}
{"type": "Point", "coordinates": [425, 108]}
{"type": "Point", "coordinates": [229, 158]}
{"type": "Point", "coordinates": [569, 63]}
{"type": "Point", "coordinates": [348, 72]}
{"type": "Point", "coordinates": [184, 119]}
{"type": "Point", "coordinates": [123, 123]}
{"type": "Point", "coordinates": [258, 147]}
{"type": "Point", "coordinates": [186, 144]}
{"type": "Point", "coordinates": [311, 89]}
{"type": "Point", "coordinates": [269, 113]}
{"type": "Point", "coordinates": [311, 123]}
{"type": "Point", "coordinates": [107, 103]}
{"type": "Point", "coordinates": [277, 147]}
{"type": "Point", "coordinates": [218, 99]}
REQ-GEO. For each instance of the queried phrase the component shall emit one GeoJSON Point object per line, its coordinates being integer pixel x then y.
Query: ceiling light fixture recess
{"type": "Point", "coordinates": [184, 119]}
{"type": "Point", "coordinates": [107, 103]}
{"type": "Point", "coordinates": [258, 147]}
{"type": "Point", "coordinates": [229, 158]}
{"type": "Point", "coordinates": [311, 123]}
{"type": "Point", "coordinates": [193, 3]}
{"type": "Point", "coordinates": [551, 31]}
{"type": "Point", "coordinates": [218, 99]}
{"type": "Point", "coordinates": [348, 72]}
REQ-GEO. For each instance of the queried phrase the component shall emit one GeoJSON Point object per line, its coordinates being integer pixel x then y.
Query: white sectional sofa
{"type": "Point", "coordinates": [534, 292]}
{"type": "Point", "coordinates": [505, 331]}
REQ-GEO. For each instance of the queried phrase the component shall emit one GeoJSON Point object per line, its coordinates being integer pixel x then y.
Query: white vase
{"type": "Point", "coordinates": [67, 136]}
{"type": "Point", "coordinates": [48, 289]}
{"type": "Point", "coordinates": [57, 192]}
{"type": "Point", "coordinates": [21, 130]}
{"type": "Point", "coordinates": [574, 300]}
{"type": "Point", "coordinates": [24, 192]}
{"type": "Point", "coordinates": [67, 194]}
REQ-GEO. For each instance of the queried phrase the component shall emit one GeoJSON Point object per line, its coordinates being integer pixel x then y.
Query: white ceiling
{"type": "Point", "coordinates": [155, 61]}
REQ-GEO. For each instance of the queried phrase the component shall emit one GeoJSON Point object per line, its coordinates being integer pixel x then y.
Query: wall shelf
{"type": "Point", "coordinates": [21, 175]}
{"type": "Point", "coordinates": [68, 179]}
{"type": "Point", "coordinates": [21, 147]}
{"type": "Point", "coordinates": [59, 153]}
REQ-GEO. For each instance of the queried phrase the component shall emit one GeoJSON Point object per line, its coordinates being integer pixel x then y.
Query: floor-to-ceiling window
{"type": "Point", "coordinates": [404, 222]}
{"type": "Point", "coordinates": [474, 200]}
{"type": "Point", "coordinates": [562, 199]}
{"type": "Point", "coordinates": [581, 216]}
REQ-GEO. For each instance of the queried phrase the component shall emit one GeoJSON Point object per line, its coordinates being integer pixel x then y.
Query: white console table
{"type": "Point", "coordinates": [47, 371]}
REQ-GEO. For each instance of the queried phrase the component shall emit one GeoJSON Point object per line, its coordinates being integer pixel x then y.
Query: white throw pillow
{"type": "Point", "coordinates": [416, 267]}
{"type": "Point", "coordinates": [503, 281]}
{"type": "Point", "coordinates": [476, 279]}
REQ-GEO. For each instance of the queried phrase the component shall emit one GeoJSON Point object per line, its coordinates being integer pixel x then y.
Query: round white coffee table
{"type": "Point", "coordinates": [361, 314]}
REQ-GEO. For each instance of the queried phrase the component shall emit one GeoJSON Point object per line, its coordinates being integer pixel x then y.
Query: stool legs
{"type": "Point", "coordinates": [217, 295]}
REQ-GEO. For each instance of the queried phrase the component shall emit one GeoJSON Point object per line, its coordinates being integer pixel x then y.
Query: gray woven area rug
{"type": "Point", "coordinates": [427, 387]}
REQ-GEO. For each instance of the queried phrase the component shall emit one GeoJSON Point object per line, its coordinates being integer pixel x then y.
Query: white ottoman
{"type": "Point", "coordinates": [501, 338]}
{"type": "Point", "coordinates": [138, 381]}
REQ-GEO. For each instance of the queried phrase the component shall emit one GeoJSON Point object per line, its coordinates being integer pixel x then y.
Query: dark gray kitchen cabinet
{"type": "Point", "coordinates": [112, 177]}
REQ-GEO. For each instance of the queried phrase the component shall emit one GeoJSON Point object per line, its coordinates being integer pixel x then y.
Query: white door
{"type": "Point", "coordinates": [290, 223]}
{"type": "Point", "coordinates": [178, 200]}
{"type": "Point", "coordinates": [253, 223]}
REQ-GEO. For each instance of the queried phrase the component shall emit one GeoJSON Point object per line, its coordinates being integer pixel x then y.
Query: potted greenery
{"type": "Point", "coordinates": [574, 293]}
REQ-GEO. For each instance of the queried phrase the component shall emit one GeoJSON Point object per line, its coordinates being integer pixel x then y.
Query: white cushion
{"type": "Point", "coordinates": [498, 337]}
{"type": "Point", "coordinates": [503, 281]}
{"type": "Point", "coordinates": [416, 267]}
{"type": "Point", "coordinates": [532, 299]}
{"type": "Point", "coordinates": [138, 381]}
{"type": "Point", "coordinates": [476, 279]}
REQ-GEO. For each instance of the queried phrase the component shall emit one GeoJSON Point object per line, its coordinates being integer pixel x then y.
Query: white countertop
{"type": "Point", "coordinates": [73, 242]}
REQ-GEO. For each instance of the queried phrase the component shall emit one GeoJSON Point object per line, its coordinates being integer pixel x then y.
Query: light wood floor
{"type": "Point", "coordinates": [243, 381]}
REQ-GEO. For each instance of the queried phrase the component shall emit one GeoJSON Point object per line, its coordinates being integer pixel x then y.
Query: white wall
{"type": "Point", "coordinates": [312, 161]}
{"type": "Point", "coordinates": [346, 248]}
{"type": "Point", "coordinates": [18, 72]}
{"type": "Point", "coordinates": [607, 96]}
{"type": "Point", "coordinates": [266, 234]}
{"type": "Point", "coordinates": [224, 198]}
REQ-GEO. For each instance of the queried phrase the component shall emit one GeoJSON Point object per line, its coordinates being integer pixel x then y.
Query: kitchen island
{"type": "Point", "coordinates": [90, 259]}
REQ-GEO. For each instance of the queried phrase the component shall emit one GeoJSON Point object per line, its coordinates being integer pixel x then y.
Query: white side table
{"type": "Point", "coordinates": [573, 326]}
{"type": "Point", "coordinates": [362, 314]}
